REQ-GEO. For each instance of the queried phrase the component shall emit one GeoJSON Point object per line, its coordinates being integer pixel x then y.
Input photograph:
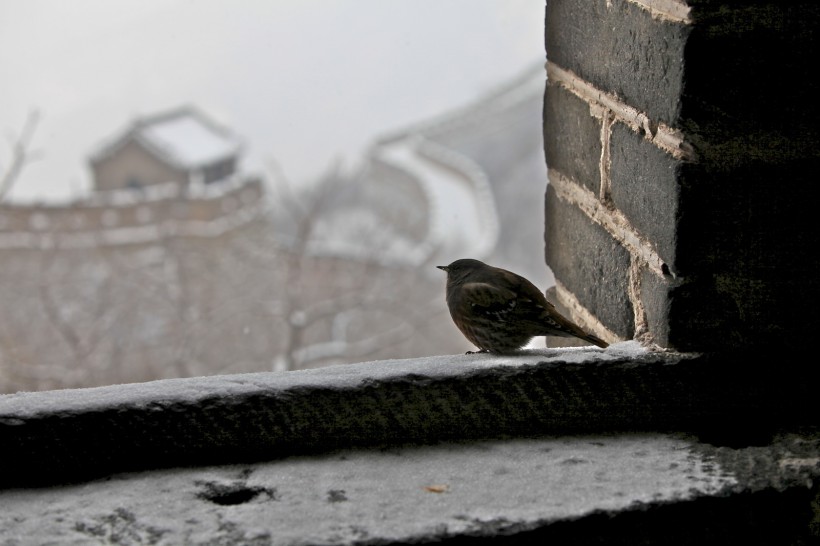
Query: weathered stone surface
{"type": "Point", "coordinates": [627, 488]}
{"type": "Point", "coordinates": [732, 218]}
{"type": "Point", "coordinates": [70, 435]}
{"type": "Point", "coordinates": [569, 445]}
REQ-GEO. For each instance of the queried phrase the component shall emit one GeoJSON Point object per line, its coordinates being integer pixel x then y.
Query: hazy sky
{"type": "Point", "coordinates": [303, 81]}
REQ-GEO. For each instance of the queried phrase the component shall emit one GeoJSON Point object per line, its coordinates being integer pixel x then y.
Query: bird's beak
{"type": "Point", "coordinates": [443, 267]}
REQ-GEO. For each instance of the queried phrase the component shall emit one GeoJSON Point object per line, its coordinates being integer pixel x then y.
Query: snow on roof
{"type": "Point", "coordinates": [183, 137]}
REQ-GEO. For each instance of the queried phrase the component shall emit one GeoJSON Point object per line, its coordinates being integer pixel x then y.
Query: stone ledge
{"type": "Point", "coordinates": [64, 436]}
{"type": "Point", "coordinates": [632, 488]}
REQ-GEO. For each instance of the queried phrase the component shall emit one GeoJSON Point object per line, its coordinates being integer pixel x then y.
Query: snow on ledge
{"type": "Point", "coordinates": [342, 376]}
{"type": "Point", "coordinates": [54, 437]}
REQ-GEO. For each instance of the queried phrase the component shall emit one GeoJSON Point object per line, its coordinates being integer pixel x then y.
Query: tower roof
{"type": "Point", "coordinates": [183, 137]}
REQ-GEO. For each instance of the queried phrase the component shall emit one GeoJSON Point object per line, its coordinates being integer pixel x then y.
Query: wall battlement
{"type": "Point", "coordinates": [123, 217]}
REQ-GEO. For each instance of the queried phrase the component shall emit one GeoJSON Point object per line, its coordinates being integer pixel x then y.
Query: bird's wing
{"type": "Point", "coordinates": [486, 299]}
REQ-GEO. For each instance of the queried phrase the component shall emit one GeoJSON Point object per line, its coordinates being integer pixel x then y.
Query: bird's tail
{"type": "Point", "coordinates": [580, 334]}
{"type": "Point", "coordinates": [558, 325]}
{"type": "Point", "coordinates": [595, 340]}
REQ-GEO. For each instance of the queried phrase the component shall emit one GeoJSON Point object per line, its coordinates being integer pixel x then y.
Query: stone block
{"type": "Point", "coordinates": [620, 48]}
{"type": "Point", "coordinates": [572, 137]}
{"type": "Point", "coordinates": [645, 188]}
{"type": "Point", "coordinates": [592, 265]}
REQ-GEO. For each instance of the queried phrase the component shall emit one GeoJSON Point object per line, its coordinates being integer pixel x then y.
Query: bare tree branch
{"type": "Point", "coordinates": [20, 153]}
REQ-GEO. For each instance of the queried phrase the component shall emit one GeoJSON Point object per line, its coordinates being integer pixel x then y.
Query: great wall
{"type": "Point", "coordinates": [129, 217]}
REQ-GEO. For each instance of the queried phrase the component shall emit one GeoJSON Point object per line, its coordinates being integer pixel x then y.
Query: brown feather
{"type": "Point", "coordinates": [500, 311]}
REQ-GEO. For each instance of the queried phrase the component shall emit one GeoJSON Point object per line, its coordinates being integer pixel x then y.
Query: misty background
{"type": "Point", "coordinates": [392, 136]}
{"type": "Point", "coordinates": [305, 82]}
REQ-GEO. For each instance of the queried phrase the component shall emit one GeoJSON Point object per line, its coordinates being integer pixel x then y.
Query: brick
{"type": "Point", "coordinates": [656, 301]}
{"type": "Point", "coordinates": [572, 137]}
{"type": "Point", "coordinates": [590, 263]}
{"type": "Point", "coordinates": [645, 188]}
{"type": "Point", "coordinates": [726, 312]}
{"type": "Point", "coordinates": [620, 48]}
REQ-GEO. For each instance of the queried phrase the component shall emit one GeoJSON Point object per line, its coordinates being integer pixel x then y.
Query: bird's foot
{"type": "Point", "coordinates": [477, 352]}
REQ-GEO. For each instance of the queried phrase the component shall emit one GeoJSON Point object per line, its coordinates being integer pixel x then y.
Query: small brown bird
{"type": "Point", "coordinates": [499, 311]}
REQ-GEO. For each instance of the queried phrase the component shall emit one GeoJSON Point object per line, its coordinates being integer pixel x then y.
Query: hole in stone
{"type": "Point", "coordinates": [232, 493]}
{"type": "Point", "coordinates": [336, 495]}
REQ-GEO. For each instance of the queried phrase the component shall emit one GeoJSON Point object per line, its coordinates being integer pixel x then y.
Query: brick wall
{"type": "Point", "coordinates": [681, 145]}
